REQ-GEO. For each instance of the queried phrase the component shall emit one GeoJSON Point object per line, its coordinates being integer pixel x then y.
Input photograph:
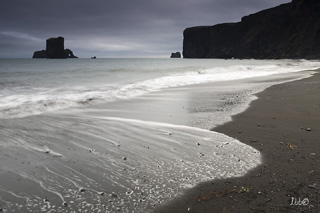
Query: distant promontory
{"type": "Point", "coordinates": [54, 49]}
{"type": "Point", "coordinates": [290, 31]}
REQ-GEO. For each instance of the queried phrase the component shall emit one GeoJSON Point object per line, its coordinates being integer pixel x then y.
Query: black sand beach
{"type": "Point", "coordinates": [137, 154]}
{"type": "Point", "coordinates": [283, 123]}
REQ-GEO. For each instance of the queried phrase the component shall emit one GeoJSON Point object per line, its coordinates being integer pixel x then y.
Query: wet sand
{"type": "Point", "coordinates": [284, 124]}
{"type": "Point", "coordinates": [134, 155]}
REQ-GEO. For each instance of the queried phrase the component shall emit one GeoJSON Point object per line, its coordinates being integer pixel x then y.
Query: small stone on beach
{"type": "Point", "coordinates": [308, 129]}
{"type": "Point", "coordinates": [113, 194]}
{"type": "Point", "coordinates": [313, 186]}
{"type": "Point", "coordinates": [129, 192]}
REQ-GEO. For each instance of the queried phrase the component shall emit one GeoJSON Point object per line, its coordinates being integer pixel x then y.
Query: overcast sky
{"type": "Point", "coordinates": [113, 28]}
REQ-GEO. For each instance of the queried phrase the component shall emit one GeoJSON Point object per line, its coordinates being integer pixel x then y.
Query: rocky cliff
{"type": "Point", "coordinates": [290, 30]}
{"type": "Point", "coordinates": [54, 49]}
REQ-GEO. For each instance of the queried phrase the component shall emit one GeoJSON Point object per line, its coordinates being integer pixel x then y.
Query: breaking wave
{"type": "Point", "coordinates": [40, 100]}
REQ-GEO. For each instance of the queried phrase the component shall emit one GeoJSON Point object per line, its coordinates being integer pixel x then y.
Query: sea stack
{"type": "Point", "coordinates": [55, 47]}
{"type": "Point", "coordinates": [55, 50]}
{"type": "Point", "coordinates": [175, 55]}
{"type": "Point", "coordinates": [290, 31]}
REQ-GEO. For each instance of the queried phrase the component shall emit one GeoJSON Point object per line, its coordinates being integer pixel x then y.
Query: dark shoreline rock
{"type": "Point", "coordinates": [54, 49]}
{"type": "Point", "coordinates": [290, 31]}
{"type": "Point", "coordinates": [175, 55]}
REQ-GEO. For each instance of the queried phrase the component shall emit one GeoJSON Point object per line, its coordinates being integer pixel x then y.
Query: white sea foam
{"type": "Point", "coordinates": [23, 101]}
{"type": "Point", "coordinates": [142, 163]}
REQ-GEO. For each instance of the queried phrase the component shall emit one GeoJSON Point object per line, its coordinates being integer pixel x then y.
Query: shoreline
{"type": "Point", "coordinates": [138, 141]}
{"type": "Point", "coordinates": [283, 124]}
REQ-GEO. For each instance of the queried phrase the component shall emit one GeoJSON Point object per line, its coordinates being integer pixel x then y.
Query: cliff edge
{"type": "Point", "coordinates": [290, 31]}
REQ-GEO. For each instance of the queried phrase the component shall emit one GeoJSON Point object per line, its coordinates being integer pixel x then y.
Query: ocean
{"type": "Point", "coordinates": [128, 135]}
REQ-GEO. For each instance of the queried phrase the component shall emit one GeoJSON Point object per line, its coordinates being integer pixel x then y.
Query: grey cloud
{"type": "Point", "coordinates": [114, 28]}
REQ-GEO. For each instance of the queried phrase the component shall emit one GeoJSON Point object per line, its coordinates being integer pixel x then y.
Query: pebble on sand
{"type": "Point", "coordinates": [313, 186]}
{"type": "Point", "coordinates": [113, 194]}
{"type": "Point", "coordinates": [129, 192]}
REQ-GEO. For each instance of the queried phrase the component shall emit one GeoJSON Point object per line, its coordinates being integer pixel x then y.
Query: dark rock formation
{"type": "Point", "coordinates": [40, 54]}
{"type": "Point", "coordinates": [54, 49]}
{"type": "Point", "coordinates": [175, 55]}
{"type": "Point", "coordinates": [69, 54]}
{"type": "Point", "coordinates": [290, 30]}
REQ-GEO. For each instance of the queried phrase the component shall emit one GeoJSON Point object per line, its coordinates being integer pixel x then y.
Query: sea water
{"type": "Point", "coordinates": [125, 135]}
{"type": "Point", "coordinates": [29, 87]}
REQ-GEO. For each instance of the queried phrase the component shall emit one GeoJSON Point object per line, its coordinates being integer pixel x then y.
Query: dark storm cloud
{"type": "Point", "coordinates": [118, 28]}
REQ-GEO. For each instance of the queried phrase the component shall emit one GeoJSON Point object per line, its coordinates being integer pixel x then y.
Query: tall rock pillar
{"type": "Point", "coordinates": [55, 48]}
